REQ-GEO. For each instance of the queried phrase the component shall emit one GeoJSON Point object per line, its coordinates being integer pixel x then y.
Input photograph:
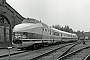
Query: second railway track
{"type": "Point", "coordinates": [60, 52]}
{"type": "Point", "coordinates": [77, 53]}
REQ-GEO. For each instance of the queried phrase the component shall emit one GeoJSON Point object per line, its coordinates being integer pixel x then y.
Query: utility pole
{"type": "Point", "coordinates": [9, 51]}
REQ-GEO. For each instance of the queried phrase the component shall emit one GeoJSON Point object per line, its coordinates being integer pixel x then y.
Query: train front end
{"type": "Point", "coordinates": [25, 34]}
{"type": "Point", "coordinates": [20, 41]}
{"type": "Point", "coordinates": [20, 36]}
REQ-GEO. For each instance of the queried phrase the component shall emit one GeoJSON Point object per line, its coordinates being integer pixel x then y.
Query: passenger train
{"type": "Point", "coordinates": [32, 32]}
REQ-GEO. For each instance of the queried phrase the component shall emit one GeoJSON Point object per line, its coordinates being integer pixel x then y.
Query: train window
{"type": "Point", "coordinates": [56, 33]}
{"type": "Point", "coordinates": [61, 34]}
{"type": "Point", "coordinates": [50, 32]}
{"type": "Point", "coordinates": [25, 33]}
{"type": "Point", "coordinates": [45, 29]}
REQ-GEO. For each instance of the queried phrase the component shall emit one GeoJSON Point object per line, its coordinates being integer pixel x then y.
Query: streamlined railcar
{"type": "Point", "coordinates": [33, 32]}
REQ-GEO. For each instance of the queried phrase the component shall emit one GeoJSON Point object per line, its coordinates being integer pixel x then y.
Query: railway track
{"type": "Point", "coordinates": [53, 51]}
{"type": "Point", "coordinates": [49, 52]}
{"type": "Point", "coordinates": [79, 54]}
{"type": "Point", "coordinates": [77, 46]}
{"type": "Point", "coordinates": [49, 49]}
{"type": "Point", "coordinates": [84, 53]}
{"type": "Point", "coordinates": [59, 52]}
{"type": "Point", "coordinates": [87, 57]}
{"type": "Point", "coordinates": [22, 51]}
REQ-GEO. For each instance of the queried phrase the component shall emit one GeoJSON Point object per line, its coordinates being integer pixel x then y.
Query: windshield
{"type": "Point", "coordinates": [26, 35]}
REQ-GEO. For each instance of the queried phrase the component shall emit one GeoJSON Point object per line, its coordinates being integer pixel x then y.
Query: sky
{"type": "Point", "coordinates": [74, 13]}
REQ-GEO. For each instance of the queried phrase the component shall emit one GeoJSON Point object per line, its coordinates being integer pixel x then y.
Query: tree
{"type": "Point", "coordinates": [65, 28]}
{"type": "Point", "coordinates": [57, 26]}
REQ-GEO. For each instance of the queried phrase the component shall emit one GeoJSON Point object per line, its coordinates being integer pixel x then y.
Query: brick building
{"type": "Point", "coordinates": [9, 17]}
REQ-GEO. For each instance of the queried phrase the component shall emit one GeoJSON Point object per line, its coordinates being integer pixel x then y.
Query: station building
{"type": "Point", "coordinates": [9, 17]}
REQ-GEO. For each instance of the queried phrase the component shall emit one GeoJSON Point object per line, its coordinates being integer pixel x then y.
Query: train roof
{"type": "Point", "coordinates": [25, 26]}
{"type": "Point", "coordinates": [62, 31]}
{"type": "Point", "coordinates": [32, 23]}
